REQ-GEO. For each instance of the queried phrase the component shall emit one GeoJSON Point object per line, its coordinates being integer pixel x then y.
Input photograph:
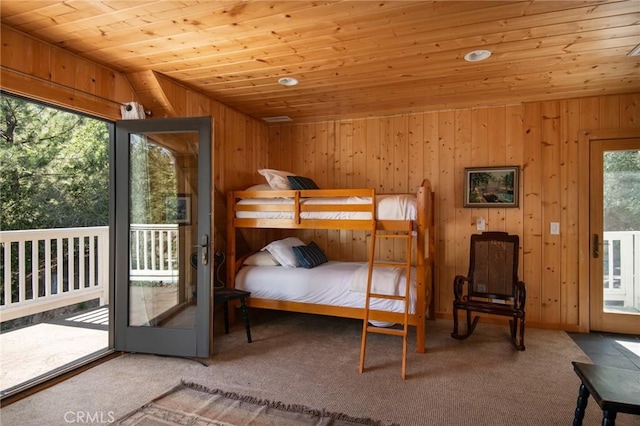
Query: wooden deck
{"type": "Point", "coordinates": [30, 353]}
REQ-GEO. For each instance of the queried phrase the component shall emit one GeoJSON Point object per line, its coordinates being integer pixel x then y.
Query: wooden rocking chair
{"type": "Point", "coordinates": [492, 285]}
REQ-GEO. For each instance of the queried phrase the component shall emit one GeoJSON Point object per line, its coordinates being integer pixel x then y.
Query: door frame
{"type": "Point", "coordinates": [584, 231]}
{"type": "Point", "coordinates": [163, 341]}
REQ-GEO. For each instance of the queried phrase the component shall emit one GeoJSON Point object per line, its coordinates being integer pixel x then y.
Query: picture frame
{"type": "Point", "coordinates": [491, 186]}
{"type": "Point", "coordinates": [179, 209]}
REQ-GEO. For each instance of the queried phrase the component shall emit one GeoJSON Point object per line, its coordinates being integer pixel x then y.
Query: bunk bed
{"type": "Point", "coordinates": [337, 209]}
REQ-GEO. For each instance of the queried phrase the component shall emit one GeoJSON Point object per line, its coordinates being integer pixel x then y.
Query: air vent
{"type": "Point", "coordinates": [277, 119]}
{"type": "Point", "coordinates": [635, 51]}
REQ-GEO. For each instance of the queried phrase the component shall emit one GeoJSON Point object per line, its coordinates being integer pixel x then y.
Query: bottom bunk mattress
{"type": "Point", "coordinates": [333, 283]}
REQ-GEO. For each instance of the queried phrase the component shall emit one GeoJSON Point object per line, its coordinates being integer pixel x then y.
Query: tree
{"type": "Point", "coordinates": [153, 182]}
{"type": "Point", "coordinates": [55, 167]}
{"type": "Point", "coordinates": [621, 190]}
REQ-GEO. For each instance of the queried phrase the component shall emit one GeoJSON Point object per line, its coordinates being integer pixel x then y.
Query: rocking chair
{"type": "Point", "coordinates": [492, 285]}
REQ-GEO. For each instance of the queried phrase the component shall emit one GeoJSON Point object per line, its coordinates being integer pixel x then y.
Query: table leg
{"type": "Point", "coordinates": [583, 397]}
{"type": "Point", "coordinates": [609, 418]}
{"type": "Point", "coordinates": [225, 307]}
{"type": "Point", "coordinates": [245, 318]}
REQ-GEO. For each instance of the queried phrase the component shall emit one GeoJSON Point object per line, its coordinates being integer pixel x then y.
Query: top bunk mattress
{"type": "Point", "coordinates": [388, 207]}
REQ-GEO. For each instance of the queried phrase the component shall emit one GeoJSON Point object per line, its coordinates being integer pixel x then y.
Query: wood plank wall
{"type": "Point", "coordinates": [396, 153]}
{"type": "Point", "coordinates": [29, 64]}
{"type": "Point", "coordinates": [389, 154]}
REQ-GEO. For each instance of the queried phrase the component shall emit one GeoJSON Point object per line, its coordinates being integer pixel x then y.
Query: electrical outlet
{"type": "Point", "coordinates": [481, 224]}
{"type": "Point", "coordinates": [555, 228]}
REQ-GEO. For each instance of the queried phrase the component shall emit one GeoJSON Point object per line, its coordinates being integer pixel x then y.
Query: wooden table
{"type": "Point", "coordinates": [225, 295]}
{"type": "Point", "coordinates": [615, 390]}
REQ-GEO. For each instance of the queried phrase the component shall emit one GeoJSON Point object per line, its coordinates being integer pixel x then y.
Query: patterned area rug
{"type": "Point", "coordinates": [193, 404]}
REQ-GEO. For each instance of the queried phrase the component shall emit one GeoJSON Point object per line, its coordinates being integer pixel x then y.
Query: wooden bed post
{"type": "Point", "coordinates": [231, 241]}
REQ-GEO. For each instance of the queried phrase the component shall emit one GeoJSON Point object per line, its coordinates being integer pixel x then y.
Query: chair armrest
{"type": "Point", "coordinates": [521, 295]}
{"type": "Point", "coordinates": [458, 283]}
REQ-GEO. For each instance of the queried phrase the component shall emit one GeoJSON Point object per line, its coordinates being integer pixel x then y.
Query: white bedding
{"type": "Point", "coordinates": [389, 207]}
{"type": "Point", "coordinates": [327, 284]}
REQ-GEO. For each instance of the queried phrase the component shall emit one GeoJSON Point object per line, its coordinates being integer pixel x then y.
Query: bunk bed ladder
{"type": "Point", "coordinates": [389, 230]}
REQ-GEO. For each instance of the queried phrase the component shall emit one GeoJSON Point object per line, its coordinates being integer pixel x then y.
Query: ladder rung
{"type": "Point", "coordinates": [390, 331]}
{"type": "Point", "coordinates": [391, 265]}
{"type": "Point", "coordinates": [386, 296]}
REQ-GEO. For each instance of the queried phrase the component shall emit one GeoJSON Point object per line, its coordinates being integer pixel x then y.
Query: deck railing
{"type": "Point", "coordinates": [621, 269]}
{"type": "Point", "coordinates": [44, 269]}
{"type": "Point", "coordinates": [154, 252]}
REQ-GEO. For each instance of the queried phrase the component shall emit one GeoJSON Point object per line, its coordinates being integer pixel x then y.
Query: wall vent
{"type": "Point", "coordinates": [277, 119]}
{"type": "Point", "coordinates": [635, 51]}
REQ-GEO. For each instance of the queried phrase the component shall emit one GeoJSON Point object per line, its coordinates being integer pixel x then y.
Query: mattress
{"type": "Point", "coordinates": [389, 207]}
{"type": "Point", "coordinates": [326, 284]}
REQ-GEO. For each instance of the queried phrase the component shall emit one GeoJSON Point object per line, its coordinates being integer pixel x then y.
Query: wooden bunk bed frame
{"type": "Point", "coordinates": [425, 245]}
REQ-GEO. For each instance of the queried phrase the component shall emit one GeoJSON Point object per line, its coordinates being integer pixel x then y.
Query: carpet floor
{"type": "Point", "coordinates": [313, 361]}
{"type": "Point", "coordinates": [193, 404]}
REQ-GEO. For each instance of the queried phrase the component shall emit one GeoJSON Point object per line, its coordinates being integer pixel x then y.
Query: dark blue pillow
{"type": "Point", "coordinates": [309, 256]}
{"type": "Point", "coordinates": [301, 182]}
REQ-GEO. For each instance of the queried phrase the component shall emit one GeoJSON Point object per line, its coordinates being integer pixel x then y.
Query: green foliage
{"type": "Point", "coordinates": [152, 182]}
{"type": "Point", "coordinates": [622, 190]}
{"type": "Point", "coordinates": [55, 167]}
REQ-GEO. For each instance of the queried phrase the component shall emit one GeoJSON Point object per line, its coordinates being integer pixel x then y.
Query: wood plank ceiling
{"type": "Point", "coordinates": [353, 58]}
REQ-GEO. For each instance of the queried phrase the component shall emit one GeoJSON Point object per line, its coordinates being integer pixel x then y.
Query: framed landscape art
{"type": "Point", "coordinates": [491, 186]}
{"type": "Point", "coordinates": [179, 209]}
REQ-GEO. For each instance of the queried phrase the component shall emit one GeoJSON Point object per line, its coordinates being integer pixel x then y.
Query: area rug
{"type": "Point", "coordinates": [194, 404]}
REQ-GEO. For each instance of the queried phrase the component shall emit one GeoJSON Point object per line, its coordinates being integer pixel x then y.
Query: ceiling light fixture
{"type": "Point", "coordinates": [277, 119]}
{"type": "Point", "coordinates": [477, 55]}
{"type": "Point", "coordinates": [288, 81]}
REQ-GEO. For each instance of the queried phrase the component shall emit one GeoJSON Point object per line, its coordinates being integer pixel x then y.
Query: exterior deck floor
{"type": "Point", "coordinates": [30, 352]}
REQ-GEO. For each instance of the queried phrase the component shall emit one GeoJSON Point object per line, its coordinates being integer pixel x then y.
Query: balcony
{"type": "Point", "coordinates": [54, 293]}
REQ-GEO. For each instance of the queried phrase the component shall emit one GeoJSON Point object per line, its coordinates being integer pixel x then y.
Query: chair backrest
{"type": "Point", "coordinates": [493, 265]}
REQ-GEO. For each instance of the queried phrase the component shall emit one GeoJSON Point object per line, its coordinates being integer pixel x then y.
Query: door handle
{"type": "Point", "coordinates": [205, 249]}
{"type": "Point", "coordinates": [597, 244]}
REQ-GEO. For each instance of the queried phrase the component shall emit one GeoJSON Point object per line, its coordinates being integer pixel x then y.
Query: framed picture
{"type": "Point", "coordinates": [179, 209]}
{"type": "Point", "coordinates": [491, 186]}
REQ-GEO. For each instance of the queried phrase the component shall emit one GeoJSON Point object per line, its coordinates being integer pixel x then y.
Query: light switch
{"type": "Point", "coordinates": [480, 224]}
{"type": "Point", "coordinates": [555, 228]}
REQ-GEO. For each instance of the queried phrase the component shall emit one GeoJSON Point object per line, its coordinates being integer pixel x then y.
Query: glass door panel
{"type": "Point", "coordinates": [162, 236]}
{"type": "Point", "coordinates": [163, 228]}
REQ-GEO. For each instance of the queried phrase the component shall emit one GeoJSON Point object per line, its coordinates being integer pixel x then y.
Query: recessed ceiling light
{"type": "Point", "coordinates": [477, 55]}
{"type": "Point", "coordinates": [288, 81]}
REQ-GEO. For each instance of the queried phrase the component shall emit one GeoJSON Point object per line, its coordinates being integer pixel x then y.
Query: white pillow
{"type": "Point", "coordinates": [262, 258]}
{"type": "Point", "coordinates": [282, 251]}
{"type": "Point", "coordinates": [260, 187]}
{"type": "Point", "coordinates": [276, 179]}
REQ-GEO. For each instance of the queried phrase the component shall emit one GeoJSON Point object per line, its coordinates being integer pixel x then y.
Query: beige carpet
{"type": "Point", "coordinates": [313, 361]}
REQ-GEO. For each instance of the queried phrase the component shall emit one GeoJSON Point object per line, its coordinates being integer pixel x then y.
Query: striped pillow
{"type": "Point", "coordinates": [301, 182]}
{"type": "Point", "coordinates": [309, 256]}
